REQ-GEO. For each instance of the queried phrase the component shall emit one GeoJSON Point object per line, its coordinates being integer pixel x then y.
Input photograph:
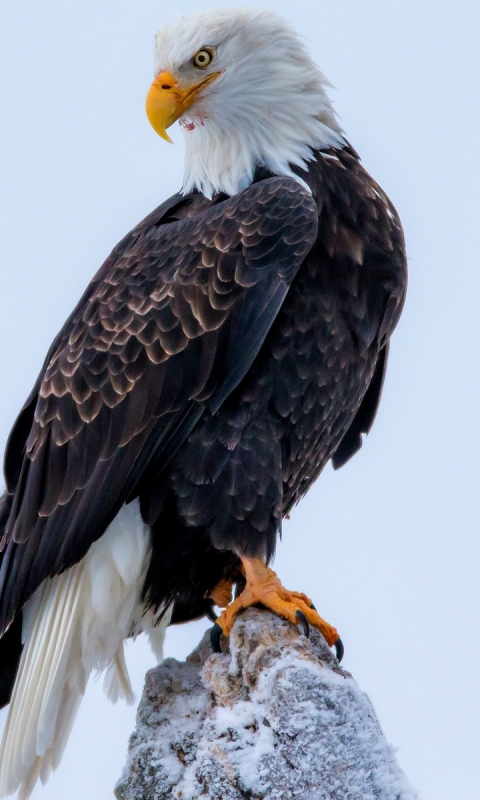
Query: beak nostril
{"type": "Point", "coordinates": [166, 86]}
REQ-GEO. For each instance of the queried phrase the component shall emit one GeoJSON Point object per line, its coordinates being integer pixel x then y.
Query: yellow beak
{"type": "Point", "coordinates": [167, 100]}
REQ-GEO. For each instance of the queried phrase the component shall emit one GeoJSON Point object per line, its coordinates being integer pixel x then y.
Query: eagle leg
{"type": "Point", "coordinates": [264, 587]}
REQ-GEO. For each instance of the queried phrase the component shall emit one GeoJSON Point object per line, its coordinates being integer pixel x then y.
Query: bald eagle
{"type": "Point", "coordinates": [232, 344]}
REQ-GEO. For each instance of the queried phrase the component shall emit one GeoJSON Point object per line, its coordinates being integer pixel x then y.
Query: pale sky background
{"type": "Point", "coordinates": [388, 547]}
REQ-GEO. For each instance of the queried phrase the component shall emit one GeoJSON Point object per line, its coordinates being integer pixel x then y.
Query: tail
{"type": "Point", "coordinates": [50, 677]}
{"type": "Point", "coordinates": [73, 624]}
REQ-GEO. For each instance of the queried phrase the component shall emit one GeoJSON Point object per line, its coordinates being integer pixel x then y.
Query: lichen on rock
{"type": "Point", "coordinates": [273, 718]}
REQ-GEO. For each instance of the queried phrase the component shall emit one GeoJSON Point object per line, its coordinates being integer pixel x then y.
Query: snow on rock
{"type": "Point", "coordinates": [274, 718]}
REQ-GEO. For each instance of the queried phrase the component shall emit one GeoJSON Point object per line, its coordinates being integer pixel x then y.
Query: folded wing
{"type": "Point", "coordinates": [170, 324]}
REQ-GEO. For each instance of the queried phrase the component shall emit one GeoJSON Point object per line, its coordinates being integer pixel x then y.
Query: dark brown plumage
{"type": "Point", "coordinates": [225, 351]}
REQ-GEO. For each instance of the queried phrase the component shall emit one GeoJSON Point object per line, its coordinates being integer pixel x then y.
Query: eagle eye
{"type": "Point", "coordinates": [203, 58]}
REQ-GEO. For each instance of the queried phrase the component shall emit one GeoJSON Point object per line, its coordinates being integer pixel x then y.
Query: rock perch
{"type": "Point", "coordinates": [274, 718]}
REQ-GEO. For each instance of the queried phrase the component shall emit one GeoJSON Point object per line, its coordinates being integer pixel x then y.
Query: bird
{"type": "Point", "coordinates": [230, 346]}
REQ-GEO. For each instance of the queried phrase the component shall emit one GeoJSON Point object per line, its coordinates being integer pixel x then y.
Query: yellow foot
{"type": "Point", "coordinates": [222, 594]}
{"type": "Point", "coordinates": [263, 586]}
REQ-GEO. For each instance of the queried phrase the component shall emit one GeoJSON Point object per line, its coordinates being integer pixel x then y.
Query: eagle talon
{"type": "Point", "coordinates": [263, 589]}
{"type": "Point", "coordinates": [210, 613]}
{"type": "Point", "coordinates": [304, 623]}
{"type": "Point", "coordinates": [339, 649]}
{"type": "Point", "coordinates": [215, 634]}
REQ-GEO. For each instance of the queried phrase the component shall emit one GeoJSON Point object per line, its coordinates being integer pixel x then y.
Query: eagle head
{"type": "Point", "coordinates": [246, 92]}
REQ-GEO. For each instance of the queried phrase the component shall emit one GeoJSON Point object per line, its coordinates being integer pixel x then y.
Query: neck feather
{"type": "Point", "coordinates": [225, 142]}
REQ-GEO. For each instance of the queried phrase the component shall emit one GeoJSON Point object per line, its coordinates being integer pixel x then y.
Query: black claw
{"type": "Point", "coordinates": [339, 649]}
{"type": "Point", "coordinates": [210, 612]}
{"type": "Point", "coordinates": [215, 634]}
{"type": "Point", "coordinates": [313, 607]}
{"type": "Point", "coordinates": [303, 622]}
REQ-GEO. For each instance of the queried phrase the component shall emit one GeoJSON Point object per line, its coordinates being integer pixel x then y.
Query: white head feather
{"type": "Point", "coordinates": [269, 105]}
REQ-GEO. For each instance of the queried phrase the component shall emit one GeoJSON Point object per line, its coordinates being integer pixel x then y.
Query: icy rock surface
{"type": "Point", "coordinates": [274, 718]}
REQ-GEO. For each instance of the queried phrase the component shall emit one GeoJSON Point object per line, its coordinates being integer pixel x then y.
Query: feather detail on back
{"type": "Point", "coordinates": [74, 623]}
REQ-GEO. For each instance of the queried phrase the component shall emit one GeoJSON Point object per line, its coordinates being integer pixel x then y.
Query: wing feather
{"type": "Point", "coordinates": [172, 321]}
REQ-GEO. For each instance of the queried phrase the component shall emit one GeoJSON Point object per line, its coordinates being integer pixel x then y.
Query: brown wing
{"type": "Point", "coordinates": [170, 324]}
{"type": "Point", "coordinates": [362, 222]}
{"type": "Point", "coordinates": [365, 416]}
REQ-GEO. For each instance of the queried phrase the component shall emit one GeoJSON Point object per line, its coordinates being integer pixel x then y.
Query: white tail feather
{"type": "Point", "coordinates": [74, 623]}
{"type": "Point", "coordinates": [33, 713]}
{"type": "Point", "coordinates": [116, 683]}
